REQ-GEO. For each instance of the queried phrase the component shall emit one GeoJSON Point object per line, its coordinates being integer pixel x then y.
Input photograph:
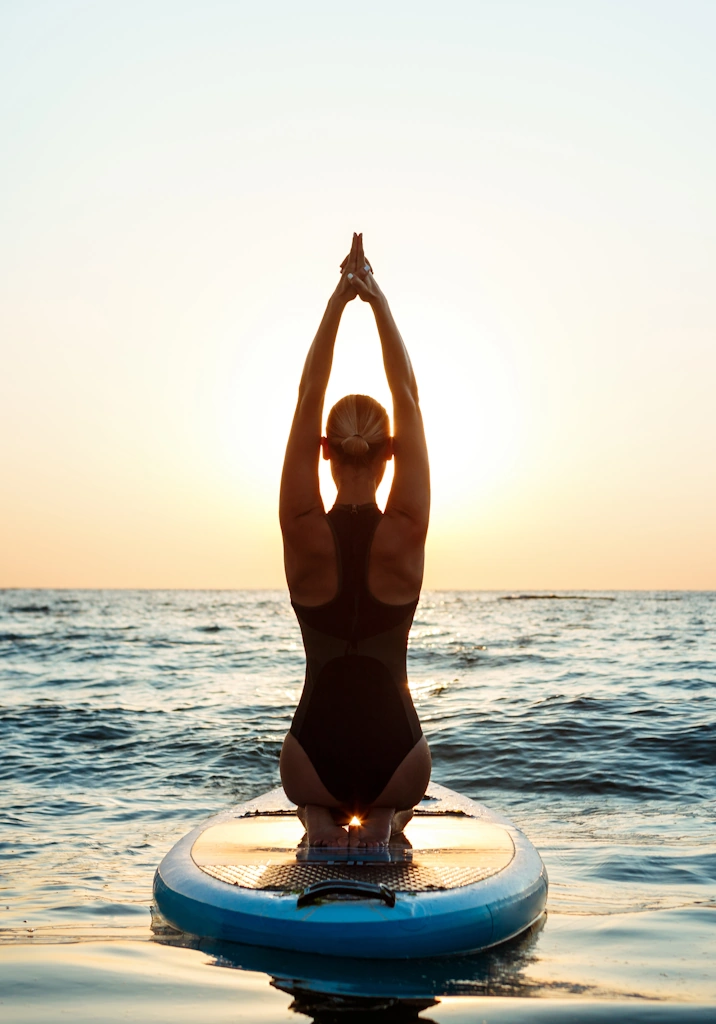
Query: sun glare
{"type": "Point", "coordinates": [354, 821]}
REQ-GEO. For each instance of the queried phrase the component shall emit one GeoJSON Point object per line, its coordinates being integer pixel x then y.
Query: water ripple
{"type": "Point", "coordinates": [126, 716]}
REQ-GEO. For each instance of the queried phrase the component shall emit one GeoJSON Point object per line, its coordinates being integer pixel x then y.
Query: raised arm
{"type": "Point", "coordinates": [300, 492]}
{"type": "Point", "coordinates": [410, 491]}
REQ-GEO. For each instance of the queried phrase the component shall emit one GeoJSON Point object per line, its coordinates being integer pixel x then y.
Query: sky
{"type": "Point", "coordinates": [180, 180]}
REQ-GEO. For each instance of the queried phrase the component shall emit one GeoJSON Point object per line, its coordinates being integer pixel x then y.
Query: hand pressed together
{"type": "Point", "coordinates": [357, 275]}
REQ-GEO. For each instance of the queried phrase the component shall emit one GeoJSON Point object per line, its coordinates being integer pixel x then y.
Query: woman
{"type": "Point", "coordinates": [355, 747]}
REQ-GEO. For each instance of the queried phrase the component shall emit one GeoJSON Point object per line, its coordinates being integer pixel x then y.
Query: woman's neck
{"type": "Point", "coordinates": [355, 497]}
{"type": "Point", "coordinates": [355, 492]}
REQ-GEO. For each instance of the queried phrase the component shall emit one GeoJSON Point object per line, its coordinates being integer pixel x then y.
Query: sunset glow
{"type": "Point", "coordinates": [536, 196]}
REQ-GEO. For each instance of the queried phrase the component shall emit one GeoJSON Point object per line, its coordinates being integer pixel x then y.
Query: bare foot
{"type": "Point", "coordinates": [400, 820]}
{"type": "Point", "coordinates": [381, 826]}
{"type": "Point", "coordinates": [322, 829]}
{"type": "Point", "coordinates": [375, 829]}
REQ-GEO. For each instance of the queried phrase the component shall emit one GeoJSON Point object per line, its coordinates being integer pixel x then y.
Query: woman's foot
{"type": "Point", "coordinates": [375, 830]}
{"type": "Point", "coordinates": [400, 820]}
{"type": "Point", "coordinates": [322, 829]}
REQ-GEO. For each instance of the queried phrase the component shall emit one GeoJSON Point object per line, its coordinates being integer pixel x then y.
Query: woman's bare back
{"type": "Point", "coordinates": [395, 568]}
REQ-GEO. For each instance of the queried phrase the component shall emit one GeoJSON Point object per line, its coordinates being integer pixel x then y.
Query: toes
{"type": "Point", "coordinates": [329, 841]}
{"type": "Point", "coordinates": [371, 844]}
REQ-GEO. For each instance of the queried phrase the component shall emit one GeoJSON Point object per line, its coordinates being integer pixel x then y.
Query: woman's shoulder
{"type": "Point", "coordinates": [397, 560]}
{"type": "Point", "coordinates": [309, 559]}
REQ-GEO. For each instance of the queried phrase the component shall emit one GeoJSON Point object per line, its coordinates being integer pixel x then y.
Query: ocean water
{"type": "Point", "coordinates": [589, 718]}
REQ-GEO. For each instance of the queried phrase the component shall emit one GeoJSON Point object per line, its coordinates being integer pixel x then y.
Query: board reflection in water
{"type": "Point", "coordinates": [398, 990]}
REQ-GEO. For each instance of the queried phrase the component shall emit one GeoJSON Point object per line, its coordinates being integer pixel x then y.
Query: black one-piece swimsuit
{"type": "Point", "coordinates": [355, 720]}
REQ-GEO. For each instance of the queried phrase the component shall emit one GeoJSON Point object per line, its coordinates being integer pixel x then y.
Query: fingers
{"type": "Point", "coordinates": [360, 286]}
{"type": "Point", "coordinates": [347, 263]}
{"type": "Point", "coordinates": [364, 266]}
{"type": "Point", "coordinates": [360, 256]}
{"type": "Point", "coordinates": [356, 253]}
{"type": "Point", "coordinates": [356, 262]}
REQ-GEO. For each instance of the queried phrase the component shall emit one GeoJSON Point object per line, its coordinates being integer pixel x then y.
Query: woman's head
{"type": "Point", "coordinates": [358, 431]}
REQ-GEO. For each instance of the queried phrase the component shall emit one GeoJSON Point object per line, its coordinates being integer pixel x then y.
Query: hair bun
{"type": "Point", "coordinates": [357, 428]}
{"type": "Point", "coordinates": [355, 445]}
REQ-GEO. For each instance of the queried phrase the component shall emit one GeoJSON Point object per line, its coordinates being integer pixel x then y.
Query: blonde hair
{"type": "Point", "coordinates": [357, 428]}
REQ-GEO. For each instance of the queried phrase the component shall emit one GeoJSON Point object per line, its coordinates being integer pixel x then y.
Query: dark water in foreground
{"type": "Point", "coordinates": [127, 717]}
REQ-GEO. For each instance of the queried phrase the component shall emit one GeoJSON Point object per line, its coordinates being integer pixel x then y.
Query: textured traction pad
{"type": "Point", "coordinates": [295, 877]}
{"type": "Point", "coordinates": [267, 851]}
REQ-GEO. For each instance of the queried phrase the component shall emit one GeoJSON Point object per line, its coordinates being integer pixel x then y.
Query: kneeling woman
{"type": "Point", "coordinates": [355, 747]}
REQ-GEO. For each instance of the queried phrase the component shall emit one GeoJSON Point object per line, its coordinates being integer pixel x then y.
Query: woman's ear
{"type": "Point", "coordinates": [325, 449]}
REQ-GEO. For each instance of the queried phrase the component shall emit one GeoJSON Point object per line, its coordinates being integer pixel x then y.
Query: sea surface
{"type": "Point", "coordinates": [126, 717]}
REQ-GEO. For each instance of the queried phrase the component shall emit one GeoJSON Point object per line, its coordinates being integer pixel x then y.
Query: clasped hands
{"type": "Point", "coordinates": [357, 275]}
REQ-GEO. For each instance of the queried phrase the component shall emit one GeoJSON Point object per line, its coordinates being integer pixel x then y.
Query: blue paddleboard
{"type": "Point", "coordinates": [464, 878]}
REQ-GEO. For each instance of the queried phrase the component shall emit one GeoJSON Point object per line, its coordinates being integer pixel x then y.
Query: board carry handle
{"type": "Point", "coordinates": [345, 887]}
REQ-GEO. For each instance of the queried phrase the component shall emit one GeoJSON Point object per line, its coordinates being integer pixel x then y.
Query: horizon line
{"type": "Point", "coordinates": [546, 591]}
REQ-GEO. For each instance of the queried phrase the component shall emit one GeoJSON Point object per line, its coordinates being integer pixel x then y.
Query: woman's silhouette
{"type": "Point", "coordinates": [355, 746]}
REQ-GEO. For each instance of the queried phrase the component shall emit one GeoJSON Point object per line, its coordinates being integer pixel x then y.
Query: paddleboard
{"type": "Point", "coordinates": [462, 879]}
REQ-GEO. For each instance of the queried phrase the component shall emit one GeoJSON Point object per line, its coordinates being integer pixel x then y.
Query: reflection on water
{"type": "Point", "coordinates": [332, 1009]}
{"type": "Point", "coordinates": [326, 988]}
{"type": "Point", "coordinates": [325, 1009]}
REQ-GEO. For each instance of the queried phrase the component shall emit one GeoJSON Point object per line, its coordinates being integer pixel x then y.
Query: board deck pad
{"type": "Point", "coordinates": [269, 852]}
